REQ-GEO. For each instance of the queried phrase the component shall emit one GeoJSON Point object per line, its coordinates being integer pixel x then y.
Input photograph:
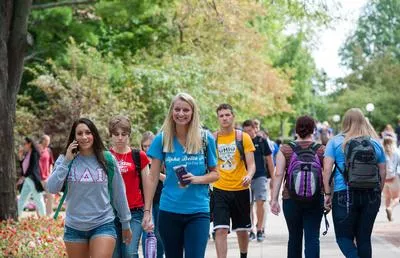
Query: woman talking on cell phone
{"type": "Point", "coordinates": [187, 152]}
{"type": "Point", "coordinates": [85, 167]}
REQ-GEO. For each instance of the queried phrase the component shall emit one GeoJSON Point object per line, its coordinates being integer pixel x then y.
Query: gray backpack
{"type": "Point", "coordinates": [361, 167]}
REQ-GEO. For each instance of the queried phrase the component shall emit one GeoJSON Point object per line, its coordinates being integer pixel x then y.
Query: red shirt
{"type": "Point", "coordinates": [131, 178]}
{"type": "Point", "coordinates": [45, 161]}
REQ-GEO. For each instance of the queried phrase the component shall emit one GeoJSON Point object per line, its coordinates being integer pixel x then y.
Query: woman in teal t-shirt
{"type": "Point", "coordinates": [353, 209]}
{"type": "Point", "coordinates": [184, 217]}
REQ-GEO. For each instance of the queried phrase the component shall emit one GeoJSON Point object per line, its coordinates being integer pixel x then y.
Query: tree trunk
{"type": "Point", "coordinates": [13, 34]}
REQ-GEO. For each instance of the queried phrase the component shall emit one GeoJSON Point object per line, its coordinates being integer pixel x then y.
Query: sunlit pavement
{"type": "Point", "coordinates": [385, 239]}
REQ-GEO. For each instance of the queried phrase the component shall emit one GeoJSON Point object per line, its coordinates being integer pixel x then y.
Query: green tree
{"type": "Point", "coordinates": [377, 33]}
{"type": "Point", "coordinates": [372, 53]}
{"type": "Point", "coordinates": [376, 83]}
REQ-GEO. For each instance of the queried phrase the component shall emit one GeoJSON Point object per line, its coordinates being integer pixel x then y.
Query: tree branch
{"type": "Point", "coordinates": [58, 4]}
{"type": "Point", "coordinates": [33, 56]}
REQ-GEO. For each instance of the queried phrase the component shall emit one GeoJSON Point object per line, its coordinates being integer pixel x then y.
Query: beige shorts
{"type": "Point", "coordinates": [393, 185]}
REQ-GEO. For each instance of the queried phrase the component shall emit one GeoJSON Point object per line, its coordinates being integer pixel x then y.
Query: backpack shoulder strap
{"type": "Point", "coordinates": [239, 145]}
{"type": "Point", "coordinates": [294, 146]}
{"type": "Point", "coordinates": [336, 166]}
{"type": "Point", "coordinates": [215, 134]}
{"type": "Point", "coordinates": [239, 142]}
{"type": "Point", "coordinates": [138, 166]}
{"type": "Point", "coordinates": [110, 167]}
{"type": "Point", "coordinates": [136, 160]}
{"type": "Point", "coordinates": [314, 146]}
{"type": "Point", "coordinates": [60, 204]}
{"type": "Point", "coordinates": [204, 144]}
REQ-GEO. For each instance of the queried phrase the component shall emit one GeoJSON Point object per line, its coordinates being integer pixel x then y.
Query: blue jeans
{"type": "Point", "coordinates": [181, 232]}
{"type": "Point", "coordinates": [127, 251]}
{"type": "Point", "coordinates": [303, 217]}
{"type": "Point", "coordinates": [79, 236]}
{"type": "Point", "coordinates": [356, 221]}
{"type": "Point", "coordinates": [160, 248]}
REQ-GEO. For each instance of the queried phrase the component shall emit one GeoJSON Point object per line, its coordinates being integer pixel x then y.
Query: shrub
{"type": "Point", "coordinates": [32, 237]}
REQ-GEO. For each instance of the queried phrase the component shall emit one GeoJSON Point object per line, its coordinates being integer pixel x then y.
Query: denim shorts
{"type": "Point", "coordinates": [79, 236]}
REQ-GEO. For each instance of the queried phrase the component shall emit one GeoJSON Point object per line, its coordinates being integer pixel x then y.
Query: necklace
{"type": "Point", "coordinates": [121, 156]}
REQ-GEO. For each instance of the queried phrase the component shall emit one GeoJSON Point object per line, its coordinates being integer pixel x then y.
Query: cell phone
{"type": "Point", "coordinates": [75, 150]}
{"type": "Point", "coordinates": [180, 172]}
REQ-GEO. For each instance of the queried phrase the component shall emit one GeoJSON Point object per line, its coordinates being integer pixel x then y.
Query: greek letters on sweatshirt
{"type": "Point", "coordinates": [88, 201]}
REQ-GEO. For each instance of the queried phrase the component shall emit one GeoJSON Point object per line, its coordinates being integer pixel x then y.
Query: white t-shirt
{"type": "Point", "coordinates": [393, 164]}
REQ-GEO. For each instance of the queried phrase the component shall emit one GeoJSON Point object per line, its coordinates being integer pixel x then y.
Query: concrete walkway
{"type": "Point", "coordinates": [385, 239]}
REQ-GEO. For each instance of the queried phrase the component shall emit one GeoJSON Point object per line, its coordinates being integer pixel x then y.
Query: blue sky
{"type": "Point", "coordinates": [330, 40]}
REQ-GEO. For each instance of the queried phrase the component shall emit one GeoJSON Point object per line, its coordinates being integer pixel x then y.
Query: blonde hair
{"type": "Point", "coordinates": [148, 135]}
{"type": "Point", "coordinates": [193, 137]}
{"type": "Point", "coordinates": [389, 145]}
{"type": "Point", "coordinates": [389, 128]}
{"type": "Point", "coordinates": [355, 125]}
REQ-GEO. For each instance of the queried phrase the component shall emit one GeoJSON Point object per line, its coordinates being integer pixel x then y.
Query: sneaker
{"type": "Point", "coordinates": [252, 236]}
{"type": "Point", "coordinates": [260, 236]}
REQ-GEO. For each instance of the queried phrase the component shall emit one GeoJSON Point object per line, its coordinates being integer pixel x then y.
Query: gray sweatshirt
{"type": "Point", "coordinates": [88, 201]}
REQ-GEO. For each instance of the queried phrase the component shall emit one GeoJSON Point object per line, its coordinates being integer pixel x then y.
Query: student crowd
{"type": "Point", "coordinates": [186, 176]}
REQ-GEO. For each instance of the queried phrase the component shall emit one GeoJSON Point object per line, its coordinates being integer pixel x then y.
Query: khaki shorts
{"type": "Point", "coordinates": [259, 189]}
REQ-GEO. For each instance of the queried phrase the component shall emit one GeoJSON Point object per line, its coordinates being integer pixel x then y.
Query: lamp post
{"type": "Point", "coordinates": [336, 120]}
{"type": "Point", "coordinates": [370, 108]}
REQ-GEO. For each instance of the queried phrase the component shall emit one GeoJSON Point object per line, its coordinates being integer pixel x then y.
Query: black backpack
{"type": "Point", "coordinates": [361, 164]}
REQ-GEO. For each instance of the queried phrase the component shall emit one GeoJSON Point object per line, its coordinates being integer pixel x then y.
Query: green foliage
{"type": "Point", "coordinates": [372, 52]}
{"type": "Point", "coordinates": [131, 25]}
{"type": "Point", "coordinates": [377, 33]}
{"type": "Point", "coordinates": [83, 89]}
{"type": "Point", "coordinates": [289, 27]}
{"type": "Point", "coordinates": [297, 62]}
{"type": "Point", "coordinates": [375, 84]}
{"type": "Point", "coordinates": [132, 56]}
{"type": "Point", "coordinates": [52, 28]}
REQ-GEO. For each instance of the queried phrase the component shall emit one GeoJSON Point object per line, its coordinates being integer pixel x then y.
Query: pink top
{"type": "Point", "coordinates": [45, 161]}
{"type": "Point", "coordinates": [25, 162]}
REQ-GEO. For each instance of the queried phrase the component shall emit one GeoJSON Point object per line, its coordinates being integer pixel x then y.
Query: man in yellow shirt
{"type": "Point", "coordinates": [231, 192]}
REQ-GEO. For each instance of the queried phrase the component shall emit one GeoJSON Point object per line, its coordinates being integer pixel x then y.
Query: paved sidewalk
{"type": "Point", "coordinates": [385, 239]}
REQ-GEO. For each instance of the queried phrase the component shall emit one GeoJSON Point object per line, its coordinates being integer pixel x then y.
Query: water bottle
{"type": "Point", "coordinates": [151, 245]}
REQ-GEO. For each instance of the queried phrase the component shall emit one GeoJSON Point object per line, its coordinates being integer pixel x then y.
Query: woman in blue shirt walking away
{"type": "Point", "coordinates": [184, 216]}
{"type": "Point", "coordinates": [356, 195]}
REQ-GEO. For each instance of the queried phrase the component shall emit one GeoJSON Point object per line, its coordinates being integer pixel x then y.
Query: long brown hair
{"type": "Point", "coordinates": [355, 125]}
{"type": "Point", "coordinates": [98, 145]}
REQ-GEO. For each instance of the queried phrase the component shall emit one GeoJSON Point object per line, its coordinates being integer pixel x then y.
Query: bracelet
{"type": "Point", "coordinates": [327, 193]}
{"type": "Point", "coordinates": [146, 210]}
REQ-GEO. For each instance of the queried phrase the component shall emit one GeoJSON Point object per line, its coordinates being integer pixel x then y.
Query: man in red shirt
{"type": "Point", "coordinates": [46, 162]}
{"type": "Point", "coordinates": [120, 131]}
